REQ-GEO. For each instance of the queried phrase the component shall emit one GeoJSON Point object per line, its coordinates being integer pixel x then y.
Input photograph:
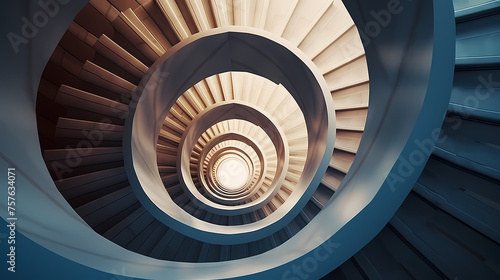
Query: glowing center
{"type": "Point", "coordinates": [232, 173]}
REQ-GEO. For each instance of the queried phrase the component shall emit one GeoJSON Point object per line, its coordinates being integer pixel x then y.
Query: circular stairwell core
{"type": "Point", "coordinates": [232, 173]}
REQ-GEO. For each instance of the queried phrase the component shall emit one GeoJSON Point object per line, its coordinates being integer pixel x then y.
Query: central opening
{"type": "Point", "coordinates": [232, 173]}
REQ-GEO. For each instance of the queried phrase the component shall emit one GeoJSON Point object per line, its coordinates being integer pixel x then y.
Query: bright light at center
{"type": "Point", "coordinates": [232, 173]}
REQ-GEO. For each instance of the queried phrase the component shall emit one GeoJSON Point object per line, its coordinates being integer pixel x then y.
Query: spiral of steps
{"type": "Point", "coordinates": [446, 228]}
{"type": "Point", "coordinates": [91, 78]}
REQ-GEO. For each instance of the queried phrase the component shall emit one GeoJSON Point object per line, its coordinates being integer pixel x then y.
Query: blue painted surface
{"type": "Point", "coordinates": [476, 94]}
{"type": "Point", "coordinates": [470, 9]}
{"type": "Point", "coordinates": [478, 41]}
{"type": "Point", "coordinates": [35, 262]}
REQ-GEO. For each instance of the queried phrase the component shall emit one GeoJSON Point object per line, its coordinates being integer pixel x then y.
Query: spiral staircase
{"type": "Point", "coordinates": [88, 107]}
{"type": "Point", "coordinates": [100, 61]}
